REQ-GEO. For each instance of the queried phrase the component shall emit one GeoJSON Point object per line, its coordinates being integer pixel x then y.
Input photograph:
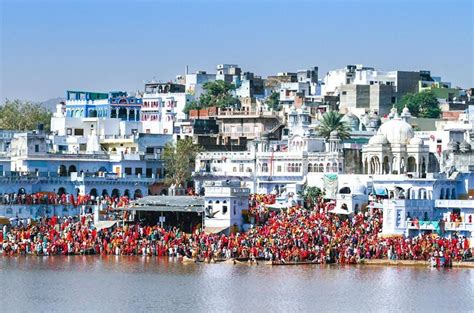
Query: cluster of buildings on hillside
{"type": "Point", "coordinates": [110, 144]}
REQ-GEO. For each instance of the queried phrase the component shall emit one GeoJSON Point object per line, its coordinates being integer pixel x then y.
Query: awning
{"type": "Point", "coordinates": [214, 230]}
{"type": "Point", "coordinates": [4, 220]}
{"type": "Point", "coordinates": [339, 211]}
{"type": "Point", "coordinates": [104, 224]}
{"type": "Point", "coordinates": [167, 204]}
{"type": "Point", "coordinates": [380, 191]}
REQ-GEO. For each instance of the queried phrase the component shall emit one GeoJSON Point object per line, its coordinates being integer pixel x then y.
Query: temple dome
{"type": "Point", "coordinates": [351, 120]}
{"type": "Point", "coordinates": [416, 141]}
{"type": "Point", "coordinates": [397, 131]}
{"type": "Point", "coordinates": [378, 139]}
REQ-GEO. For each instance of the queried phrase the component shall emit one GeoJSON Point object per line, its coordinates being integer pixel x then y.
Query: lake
{"type": "Point", "coordinates": [107, 284]}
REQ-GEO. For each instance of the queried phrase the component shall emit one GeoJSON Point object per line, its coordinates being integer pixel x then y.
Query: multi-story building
{"type": "Point", "coordinates": [163, 105]}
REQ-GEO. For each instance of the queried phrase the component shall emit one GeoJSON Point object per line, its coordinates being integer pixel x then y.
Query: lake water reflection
{"type": "Point", "coordinates": [104, 284]}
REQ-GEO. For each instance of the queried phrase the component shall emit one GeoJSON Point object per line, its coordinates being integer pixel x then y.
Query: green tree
{"type": "Point", "coordinates": [179, 160]}
{"type": "Point", "coordinates": [423, 104]}
{"type": "Point", "coordinates": [273, 101]}
{"type": "Point", "coordinates": [23, 115]}
{"type": "Point", "coordinates": [310, 194]}
{"type": "Point", "coordinates": [192, 105]}
{"type": "Point", "coordinates": [216, 93]}
{"type": "Point", "coordinates": [331, 121]}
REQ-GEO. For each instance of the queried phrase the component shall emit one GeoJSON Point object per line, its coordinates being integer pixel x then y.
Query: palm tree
{"type": "Point", "coordinates": [331, 121]}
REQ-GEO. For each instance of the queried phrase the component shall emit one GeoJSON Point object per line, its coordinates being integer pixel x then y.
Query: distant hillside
{"type": "Point", "coordinates": [51, 103]}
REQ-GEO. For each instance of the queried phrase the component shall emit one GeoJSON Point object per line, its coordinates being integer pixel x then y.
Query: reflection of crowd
{"type": "Point", "coordinates": [294, 235]}
{"type": "Point", "coordinates": [61, 199]}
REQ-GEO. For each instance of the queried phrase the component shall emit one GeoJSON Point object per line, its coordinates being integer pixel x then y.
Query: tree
{"type": "Point", "coordinates": [216, 93]}
{"type": "Point", "coordinates": [179, 160]}
{"type": "Point", "coordinates": [423, 104]}
{"type": "Point", "coordinates": [23, 115]}
{"type": "Point", "coordinates": [192, 105]}
{"type": "Point", "coordinates": [331, 121]}
{"type": "Point", "coordinates": [310, 194]}
{"type": "Point", "coordinates": [273, 101]}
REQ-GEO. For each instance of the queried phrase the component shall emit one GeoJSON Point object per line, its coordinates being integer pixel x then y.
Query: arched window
{"type": "Point", "coordinates": [453, 193]}
{"type": "Point", "coordinates": [321, 168]}
{"type": "Point", "coordinates": [137, 194]}
{"type": "Point", "coordinates": [264, 167]}
{"type": "Point", "coordinates": [310, 167]}
{"type": "Point", "coordinates": [334, 167]}
{"type": "Point", "coordinates": [441, 193]}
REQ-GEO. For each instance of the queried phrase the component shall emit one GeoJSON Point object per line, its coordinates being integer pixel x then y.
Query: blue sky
{"type": "Point", "coordinates": [47, 47]}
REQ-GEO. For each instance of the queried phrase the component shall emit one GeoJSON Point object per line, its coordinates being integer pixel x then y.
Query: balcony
{"type": "Point", "coordinates": [455, 204]}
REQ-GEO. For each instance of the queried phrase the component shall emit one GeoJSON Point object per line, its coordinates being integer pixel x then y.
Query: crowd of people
{"type": "Point", "coordinates": [52, 198]}
{"type": "Point", "coordinates": [294, 235]}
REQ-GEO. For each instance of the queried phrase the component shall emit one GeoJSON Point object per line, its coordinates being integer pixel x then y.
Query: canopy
{"type": "Point", "coordinates": [104, 224]}
{"type": "Point", "coordinates": [4, 220]}
{"type": "Point", "coordinates": [214, 230]}
{"type": "Point", "coordinates": [380, 191]}
{"type": "Point", "coordinates": [277, 206]}
{"type": "Point", "coordinates": [339, 211]}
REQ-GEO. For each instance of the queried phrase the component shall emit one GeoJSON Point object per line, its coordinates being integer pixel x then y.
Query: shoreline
{"type": "Point", "coordinates": [376, 262]}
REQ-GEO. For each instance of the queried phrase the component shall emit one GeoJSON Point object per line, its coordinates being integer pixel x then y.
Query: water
{"type": "Point", "coordinates": [107, 284]}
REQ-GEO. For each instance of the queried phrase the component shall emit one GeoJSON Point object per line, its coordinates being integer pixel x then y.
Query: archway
{"type": "Point", "coordinates": [127, 193]}
{"type": "Point", "coordinates": [122, 114]}
{"type": "Point", "coordinates": [61, 191]}
{"type": "Point", "coordinates": [441, 193]}
{"type": "Point", "coordinates": [115, 193]}
{"type": "Point", "coordinates": [105, 193]}
{"type": "Point", "coordinates": [386, 166]}
{"type": "Point", "coordinates": [345, 190]}
{"type": "Point", "coordinates": [62, 171]}
{"type": "Point", "coordinates": [93, 113]}
{"type": "Point", "coordinates": [72, 169]}
{"type": "Point", "coordinates": [448, 193]}
{"type": "Point", "coordinates": [411, 165]}
{"type": "Point", "coordinates": [93, 192]}
{"type": "Point", "coordinates": [453, 193]}
{"type": "Point", "coordinates": [137, 194]}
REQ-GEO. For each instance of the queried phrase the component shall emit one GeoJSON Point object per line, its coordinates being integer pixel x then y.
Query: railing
{"type": "Point", "coordinates": [458, 204]}
{"type": "Point", "coordinates": [449, 226]}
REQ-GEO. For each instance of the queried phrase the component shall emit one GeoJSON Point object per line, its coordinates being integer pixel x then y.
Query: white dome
{"type": "Point", "coordinates": [416, 141]}
{"type": "Point", "coordinates": [378, 139]}
{"type": "Point", "coordinates": [397, 131]}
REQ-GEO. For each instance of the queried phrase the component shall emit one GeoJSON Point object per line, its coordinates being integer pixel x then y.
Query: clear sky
{"type": "Point", "coordinates": [48, 47]}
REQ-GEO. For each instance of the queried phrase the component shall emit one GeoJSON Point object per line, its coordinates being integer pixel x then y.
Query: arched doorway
{"type": "Point", "coordinates": [411, 165]}
{"type": "Point", "coordinates": [61, 191]}
{"type": "Point", "coordinates": [386, 166]}
{"type": "Point", "coordinates": [115, 193]}
{"type": "Point", "coordinates": [72, 169]}
{"type": "Point", "coordinates": [93, 192]}
{"type": "Point", "coordinates": [62, 171]}
{"type": "Point", "coordinates": [21, 191]}
{"type": "Point", "coordinates": [127, 193]}
{"type": "Point", "coordinates": [122, 114]}
{"type": "Point", "coordinates": [105, 193]}
{"type": "Point", "coordinates": [137, 194]}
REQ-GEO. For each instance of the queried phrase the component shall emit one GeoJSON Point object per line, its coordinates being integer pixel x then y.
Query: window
{"type": "Point", "coordinates": [241, 167]}
{"type": "Point", "coordinates": [69, 131]}
{"type": "Point", "coordinates": [264, 167]}
{"type": "Point", "coordinates": [78, 132]}
{"type": "Point", "coordinates": [150, 150]}
{"type": "Point", "coordinates": [224, 209]}
{"type": "Point", "coordinates": [279, 168]}
{"type": "Point", "coordinates": [37, 148]}
{"type": "Point", "coordinates": [128, 171]}
{"type": "Point", "coordinates": [149, 172]}
{"type": "Point", "coordinates": [344, 93]}
{"type": "Point", "coordinates": [138, 170]}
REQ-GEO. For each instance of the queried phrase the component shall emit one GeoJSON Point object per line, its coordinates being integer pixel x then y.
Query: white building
{"type": "Point", "coordinates": [224, 203]}
{"type": "Point", "coordinates": [163, 105]}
